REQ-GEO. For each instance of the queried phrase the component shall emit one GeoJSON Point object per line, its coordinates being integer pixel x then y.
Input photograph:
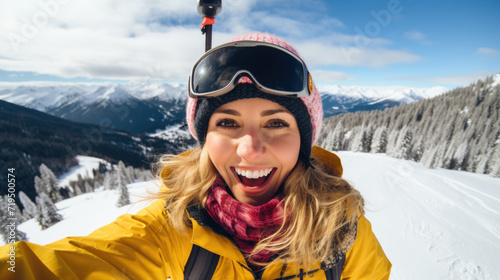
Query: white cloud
{"type": "Point", "coordinates": [318, 54]}
{"type": "Point", "coordinates": [330, 76]}
{"type": "Point", "coordinates": [417, 36]}
{"type": "Point", "coordinates": [493, 53]}
{"type": "Point", "coordinates": [99, 39]}
{"type": "Point", "coordinates": [295, 25]}
{"type": "Point", "coordinates": [111, 39]}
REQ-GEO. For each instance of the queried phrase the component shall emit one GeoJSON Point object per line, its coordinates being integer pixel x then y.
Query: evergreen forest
{"type": "Point", "coordinates": [458, 130]}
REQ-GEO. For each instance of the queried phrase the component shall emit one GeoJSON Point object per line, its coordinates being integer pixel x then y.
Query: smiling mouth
{"type": "Point", "coordinates": [253, 178]}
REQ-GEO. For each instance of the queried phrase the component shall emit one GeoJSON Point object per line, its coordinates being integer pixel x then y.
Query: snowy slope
{"type": "Point", "coordinates": [84, 169]}
{"type": "Point", "coordinates": [432, 224]}
{"type": "Point", "coordinates": [84, 213]}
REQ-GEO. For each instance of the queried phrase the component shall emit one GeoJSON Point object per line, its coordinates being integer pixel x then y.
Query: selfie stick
{"type": "Point", "coordinates": [208, 9]}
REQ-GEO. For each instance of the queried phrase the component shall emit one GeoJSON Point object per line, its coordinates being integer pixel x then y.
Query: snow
{"type": "Point", "coordinates": [432, 223]}
{"type": "Point", "coordinates": [84, 169]}
{"type": "Point", "coordinates": [45, 95]}
{"type": "Point", "coordinates": [171, 133]}
{"type": "Point", "coordinates": [496, 80]}
{"type": "Point", "coordinates": [398, 93]}
{"type": "Point", "coordinates": [87, 212]}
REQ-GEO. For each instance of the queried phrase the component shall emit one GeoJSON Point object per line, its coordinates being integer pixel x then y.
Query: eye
{"type": "Point", "coordinates": [277, 123]}
{"type": "Point", "coordinates": [227, 123]}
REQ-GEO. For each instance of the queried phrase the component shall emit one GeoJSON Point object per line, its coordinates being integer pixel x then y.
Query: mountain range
{"type": "Point", "coordinates": [29, 138]}
{"type": "Point", "coordinates": [156, 108]}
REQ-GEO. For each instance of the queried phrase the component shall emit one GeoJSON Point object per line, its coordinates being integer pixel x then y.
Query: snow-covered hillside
{"type": "Point", "coordinates": [84, 213]}
{"type": "Point", "coordinates": [432, 223]}
{"type": "Point", "coordinates": [84, 169]}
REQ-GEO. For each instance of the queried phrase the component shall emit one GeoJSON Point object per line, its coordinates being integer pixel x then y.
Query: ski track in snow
{"type": "Point", "coordinates": [432, 223]}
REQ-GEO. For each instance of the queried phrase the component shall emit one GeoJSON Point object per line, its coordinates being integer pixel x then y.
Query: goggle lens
{"type": "Point", "coordinates": [271, 67]}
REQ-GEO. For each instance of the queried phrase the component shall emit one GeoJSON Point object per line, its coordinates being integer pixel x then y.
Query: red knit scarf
{"type": "Point", "coordinates": [247, 224]}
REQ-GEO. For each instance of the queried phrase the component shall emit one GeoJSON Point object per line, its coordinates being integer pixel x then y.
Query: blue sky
{"type": "Point", "coordinates": [417, 43]}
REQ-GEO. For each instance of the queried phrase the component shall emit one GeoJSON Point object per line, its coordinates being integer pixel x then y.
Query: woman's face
{"type": "Point", "coordinates": [254, 144]}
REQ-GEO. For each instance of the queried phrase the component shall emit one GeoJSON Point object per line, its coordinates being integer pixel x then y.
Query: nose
{"type": "Point", "coordinates": [251, 147]}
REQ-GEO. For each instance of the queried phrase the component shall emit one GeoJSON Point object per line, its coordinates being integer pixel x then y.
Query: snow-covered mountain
{"type": "Point", "coordinates": [342, 99]}
{"type": "Point", "coordinates": [432, 223]}
{"type": "Point", "coordinates": [135, 107]}
{"type": "Point", "coordinates": [145, 107]}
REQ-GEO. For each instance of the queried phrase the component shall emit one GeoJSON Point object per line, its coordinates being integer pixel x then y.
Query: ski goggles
{"type": "Point", "coordinates": [272, 69]}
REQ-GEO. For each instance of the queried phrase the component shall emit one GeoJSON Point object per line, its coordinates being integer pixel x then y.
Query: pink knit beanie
{"type": "Point", "coordinates": [312, 102]}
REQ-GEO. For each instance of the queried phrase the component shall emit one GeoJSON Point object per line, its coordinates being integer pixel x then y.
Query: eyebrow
{"type": "Point", "coordinates": [262, 114]}
{"type": "Point", "coordinates": [272, 112]}
{"type": "Point", "coordinates": [228, 111]}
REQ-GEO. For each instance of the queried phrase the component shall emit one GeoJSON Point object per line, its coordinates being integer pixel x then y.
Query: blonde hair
{"type": "Point", "coordinates": [321, 209]}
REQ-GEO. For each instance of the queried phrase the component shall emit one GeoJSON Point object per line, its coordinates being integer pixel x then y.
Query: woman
{"type": "Point", "coordinates": [256, 199]}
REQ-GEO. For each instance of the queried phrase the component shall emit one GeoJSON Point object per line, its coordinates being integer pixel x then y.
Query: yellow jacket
{"type": "Point", "coordinates": [143, 246]}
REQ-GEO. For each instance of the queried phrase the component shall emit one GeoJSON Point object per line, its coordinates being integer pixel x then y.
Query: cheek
{"type": "Point", "coordinates": [219, 149]}
{"type": "Point", "coordinates": [286, 149]}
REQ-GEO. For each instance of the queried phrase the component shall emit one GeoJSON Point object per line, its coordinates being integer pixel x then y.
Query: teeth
{"type": "Point", "coordinates": [253, 174]}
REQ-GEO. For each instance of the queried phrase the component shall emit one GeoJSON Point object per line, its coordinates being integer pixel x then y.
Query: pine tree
{"type": "Point", "coordinates": [146, 175]}
{"type": "Point", "coordinates": [418, 149]}
{"type": "Point", "coordinates": [495, 163]}
{"type": "Point", "coordinates": [121, 181]}
{"type": "Point", "coordinates": [108, 182]}
{"type": "Point", "coordinates": [357, 139]}
{"type": "Point", "coordinates": [80, 183]}
{"type": "Point", "coordinates": [462, 155]}
{"type": "Point", "coordinates": [404, 144]}
{"type": "Point", "coordinates": [50, 180]}
{"type": "Point", "coordinates": [366, 140]}
{"type": "Point", "coordinates": [29, 206]}
{"type": "Point", "coordinates": [338, 137]}
{"type": "Point", "coordinates": [392, 142]}
{"type": "Point", "coordinates": [123, 195]}
{"type": "Point", "coordinates": [98, 178]}
{"type": "Point", "coordinates": [88, 187]}
{"type": "Point", "coordinates": [47, 211]}
{"type": "Point", "coordinates": [78, 190]}
{"type": "Point", "coordinates": [379, 142]}
{"type": "Point", "coordinates": [130, 174]}
{"type": "Point", "coordinates": [482, 162]}
{"type": "Point", "coordinates": [39, 185]}
{"type": "Point", "coordinates": [439, 155]}
{"type": "Point", "coordinates": [327, 141]}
